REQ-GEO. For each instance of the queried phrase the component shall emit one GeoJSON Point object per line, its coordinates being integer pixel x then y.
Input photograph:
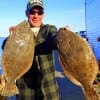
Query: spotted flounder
{"type": "Point", "coordinates": [17, 57]}
{"type": "Point", "coordinates": [78, 61]}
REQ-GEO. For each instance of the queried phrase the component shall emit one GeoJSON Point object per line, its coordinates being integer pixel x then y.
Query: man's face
{"type": "Point", "coordinates": [35, 16]}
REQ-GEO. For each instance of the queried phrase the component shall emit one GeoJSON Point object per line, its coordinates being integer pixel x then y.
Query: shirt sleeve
{"type": "Point", "coordinates": [4, 42]}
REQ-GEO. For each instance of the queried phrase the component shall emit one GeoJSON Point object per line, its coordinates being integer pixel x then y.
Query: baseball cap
{"type": "Point", "coordinates": [33, 3]}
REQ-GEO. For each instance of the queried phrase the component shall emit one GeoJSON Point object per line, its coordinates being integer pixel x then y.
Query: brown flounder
{"type": "Point", "coordinates": [78, 61]}
{"type": "Point", "coordinates": [17, 57]}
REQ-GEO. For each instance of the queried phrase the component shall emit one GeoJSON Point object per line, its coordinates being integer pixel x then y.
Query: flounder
{"type": "Point", "coordinates": [78, 61]}
{"type": "Point", "coordinates": [17, 57]}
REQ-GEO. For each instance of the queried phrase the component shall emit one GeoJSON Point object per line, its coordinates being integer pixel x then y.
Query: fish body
{"type": "Point", "coordinates": [78, 61]}
{"type": "Point", "coordinates": [17, 57]}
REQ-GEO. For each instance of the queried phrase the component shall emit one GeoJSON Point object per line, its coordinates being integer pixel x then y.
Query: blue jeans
{"type": "Point", "coordinates": [11, 98]}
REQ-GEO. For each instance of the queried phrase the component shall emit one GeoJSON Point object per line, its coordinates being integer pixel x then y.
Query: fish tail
{"type": "Point", "coordinates": [90, 93]}
{"type": "Point", "coordinates": [9, 89]}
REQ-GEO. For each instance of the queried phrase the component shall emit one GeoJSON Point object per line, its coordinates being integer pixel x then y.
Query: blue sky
{"type": "Point", "coordinates": [57, 12]}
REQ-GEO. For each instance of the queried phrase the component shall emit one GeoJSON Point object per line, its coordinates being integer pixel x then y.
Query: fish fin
{"type": "Point", "coordinates": [90, 93]}
{"type": "Point", "coordinates": [9, 89]}
{"type": "Point", "coordinates": [2, 82]}
{"type": "Point", "coordinates": [67, 72]}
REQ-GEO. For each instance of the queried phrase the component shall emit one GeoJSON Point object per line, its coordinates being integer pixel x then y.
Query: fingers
{"type": "Point", "coordinates": [11, 29]}
{"type": "Point", "coordinates": [67, 28]}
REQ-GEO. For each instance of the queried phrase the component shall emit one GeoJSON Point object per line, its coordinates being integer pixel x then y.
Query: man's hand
{"type": "Point", "coordinates": [11, 29]}
{"type": "Point", "coordinates": [67, 28]}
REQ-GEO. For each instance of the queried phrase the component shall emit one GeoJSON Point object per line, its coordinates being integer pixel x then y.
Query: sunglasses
{"type": "Point", "coordinates": [40, 12]}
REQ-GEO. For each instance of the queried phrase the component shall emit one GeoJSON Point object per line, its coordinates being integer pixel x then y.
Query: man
{"type": "Point", "coordinates": [39, 82]}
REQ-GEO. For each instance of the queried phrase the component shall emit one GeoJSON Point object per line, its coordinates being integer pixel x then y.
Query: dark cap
{"type": "Point", "coordinates": [33, 3]}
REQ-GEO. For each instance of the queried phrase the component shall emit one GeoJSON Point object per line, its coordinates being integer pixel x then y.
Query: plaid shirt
{"type": "Point", "coordinates": [45, 44]}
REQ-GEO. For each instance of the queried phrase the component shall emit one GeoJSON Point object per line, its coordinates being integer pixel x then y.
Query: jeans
{"type": "Point", "coordinates": [11, 98]}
